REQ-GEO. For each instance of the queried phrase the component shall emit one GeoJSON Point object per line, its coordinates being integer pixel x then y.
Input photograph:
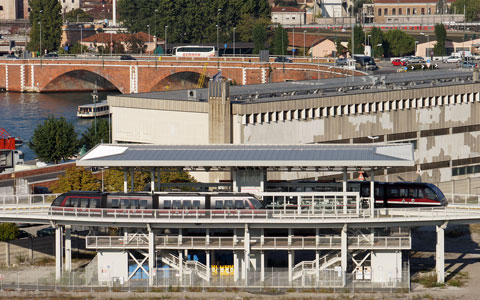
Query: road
{"type": "Point", "coordinates": [385, 67]}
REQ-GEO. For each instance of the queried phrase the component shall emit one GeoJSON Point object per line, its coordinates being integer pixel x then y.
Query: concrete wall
{"type": "Point", "coordinates": [159, 126]}
{"type": "Point", "coordinates": [112, 264]}
{"type": "Point", "coordinates": [386, 266]}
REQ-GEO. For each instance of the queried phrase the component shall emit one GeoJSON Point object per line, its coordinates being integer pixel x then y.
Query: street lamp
{"type": "Point", "coordinates": [40, 37]}
{"type": "Point", "coordinates": [304, 44]}
{"type": "Point", "coordinates": [155, 23]}
{"type": "Point", "coordinates": [166, 45]}
{"type": "Point", "coordinates": [234, 41]}
{"type": "Point", "coordinates": [218, 49]}
{"type": "Point", "coordinates": [81, 39]}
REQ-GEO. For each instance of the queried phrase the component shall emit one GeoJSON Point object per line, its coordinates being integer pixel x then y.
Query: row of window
{"type": "Point", "coordinates": [129, 203]}
{"type": "Point", "coordinates": [465, 170]}
{"type": "Point", "coordinates": [360, 108]}
{"type": "Point", "coordinates": [409, 11]}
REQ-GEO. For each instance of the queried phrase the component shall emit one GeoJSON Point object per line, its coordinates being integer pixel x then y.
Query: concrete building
{"type": "Point", "coordinates": [68, 5]}
{"type": "Point", "coordinates": [437, 114]}
{"type": "Point", "coordinates": [12, 9]}
{"type": "Point", "coordinates": [312, 45]}
{"type": "Point", "coordinates": [334, 8]}
{"type": "Point", "coordinates": [423, 12]}
{"type": "Point", "coordinates": [288, 16]}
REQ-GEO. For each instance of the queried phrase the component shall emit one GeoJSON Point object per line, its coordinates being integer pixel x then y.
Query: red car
{"type": "Point", "coordinates": [398, 62]}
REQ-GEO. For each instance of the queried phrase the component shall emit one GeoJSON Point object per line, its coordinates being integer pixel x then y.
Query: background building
{"type": "Point", "coordinates": [288, 15]}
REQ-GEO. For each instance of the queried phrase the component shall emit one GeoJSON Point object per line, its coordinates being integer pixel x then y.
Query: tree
{"type": "Point", "coordinates": [113, 180]}
{"type": "Point", "coordinates": [472, 9]}
{"type": "Point", "coordinates": [78, 15]}
{"type": "Point", "coordinates": [441, 36]}
{"type": "Point", "coordinates": [246, 25]}
{"type": "Point", "coordinates": [45, 14]}
{"type": "Point", "coordinates": [259, 37]}
{"type": "Point", "coordinates": [54, 140]}
{"type": "Point", "coordinates": [359, 36]}
{"type": "Point", "coordinates": [76, 179]}
{"type": "Point", "coordinates": [399, 43]}
{"type": "Point", "coordinates": [135, 45]}
{"type": "Point", "coordinates": [339, 47]}
{"type": "Point", "coordinates": [280, 41]}
{"type": "Point", "coordinates": [89, 139]}
{"type": "Point", "coordinates": [8, 232]}
{"type": "Point", "coordinates": [376, 39]}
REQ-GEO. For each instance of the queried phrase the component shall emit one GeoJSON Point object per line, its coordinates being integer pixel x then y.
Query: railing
{"type": "Point", "coordinates": [466, 199]}
{"type": "Point", "coordinates": [322, 242]}
{"type": "Point", "coordinates": [198, 267]}
{"type": "Point", "coordinates": [15, 200]}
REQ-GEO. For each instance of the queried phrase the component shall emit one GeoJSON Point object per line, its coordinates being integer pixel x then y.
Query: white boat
{"type": "Point", "coordinates": [93, 110]}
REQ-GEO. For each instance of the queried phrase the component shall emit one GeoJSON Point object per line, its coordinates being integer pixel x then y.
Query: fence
{"type": "Point", "coordinates": [166, 279]}
{"type": "Point", "coordinates": [463, 199]}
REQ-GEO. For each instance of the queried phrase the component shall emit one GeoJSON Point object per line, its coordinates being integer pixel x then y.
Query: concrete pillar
{"type": "Point", "coordinates": [151, 256]}
{"type": "Point", "coordinates": [207, 237]}
{"type": "Point", "coordinates": [289, 238]}
{"type": "Point", "coordinates": [132, 180]}
{"type": "Point", "coordinates": [114, 17]}
{"type": "Point", "coordinates": [236, 266]}
{"type": "Point", "coordinates": [262, 266]}
{"type": "Point", "coordinates": [219, 113]}
{"type": "Point", "coordinates": [246, 260]}
{"type": "Point", "coordinates": [440, 254]}
{"type": "Point", "coordinates": [180, 236]}
{"type": "Point", "coordinates": [207, 263]}
{"type": "Point", "coordinates": [372, 193]}
{"type": "Point", "coordinates": [68, 248]}
{"type": "Point", "coordinates": [58, 252]}
{"type": "Point", "coordinates": [317, 265]}
{"type": "Point", "coordinates": [344, 189]}
{"type": "Point", "coordinates": [180, 265]}
{"type": "Point", "coordinates": [125, 181]}
{"type": "Point", "coordinates": [291, 260]}
{"type": "Point", "coordinates": [344, 253]}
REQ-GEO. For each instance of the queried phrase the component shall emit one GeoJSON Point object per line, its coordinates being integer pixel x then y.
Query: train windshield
{"type": "Point", "coordinates": [256, 203]}
{"type": "Point", "coordinates": [437, 191]}
{"type": "Point", "coordinates": [58, 201]}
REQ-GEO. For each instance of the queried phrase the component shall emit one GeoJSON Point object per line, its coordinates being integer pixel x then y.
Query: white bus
{"type": "Point", "coordinates": [194, 51]}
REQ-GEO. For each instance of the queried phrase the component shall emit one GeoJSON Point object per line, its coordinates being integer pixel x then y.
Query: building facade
{"type": "Point", "coordinates": [288, 16]}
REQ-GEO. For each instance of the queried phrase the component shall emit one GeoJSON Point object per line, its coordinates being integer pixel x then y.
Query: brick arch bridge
{"type": "Point", "coordinates": [137, 76]}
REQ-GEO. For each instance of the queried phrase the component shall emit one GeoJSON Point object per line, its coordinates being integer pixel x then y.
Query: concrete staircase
{"type": "Point", "coordinates": [308, 267]}
{"type": "Point", "coordinates": [189, 266]}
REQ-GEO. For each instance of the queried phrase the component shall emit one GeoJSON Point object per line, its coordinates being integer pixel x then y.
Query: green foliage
{"type": "Point", "coordinates": [339, 47]}
{"type": "Point", "coordinates": [246, 27]}
{"type": "Point", "coordinates": [280, 41]}
{"type": "Point", "coordinates": [113, 180]}
{"type": "Point", "coordinates": [8, 231]}
{"type": "Point", "coordinates": [135, 45]}
{"type": "Point", "coordinates": [176, 177]}
{"type": "Point", "coordinates": [399, 43]}
{"type": "Point", "coordinates": [359, 36]}
{"type": "Point", "coordinates": [259, 37]}
{"type": "Point", "coordinates": [376, 39]}
{"type": "Point", "coordinates": [190, 21]}
{"type": "Point", "coordinates": [54, 140]}
{"type": "Point", "coordinates": [441, 36]}
{"type": "Point", "coordinates": [78, 15]}
{"type": "Point", "coordinates": [76, 48]}
{"type": "Point", "coordinates": [76, 179]}
{"type": "Point", "coordinates": [89, 139]}
{"type": "Point", "coordinates": [46, 12]}
{"type": "Point", "coordinates": [472, 9]}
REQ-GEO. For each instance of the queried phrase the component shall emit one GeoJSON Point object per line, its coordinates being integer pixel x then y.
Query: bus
{"type": "Point", "coordinates": [194, 51]}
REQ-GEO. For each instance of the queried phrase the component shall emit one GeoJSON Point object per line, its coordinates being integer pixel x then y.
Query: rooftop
{"type": "Point", "coordinates": [261, 93]}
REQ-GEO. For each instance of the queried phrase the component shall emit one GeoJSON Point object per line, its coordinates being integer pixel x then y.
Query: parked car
{"type": "Point", "coordinates": [467, 64]}
{"type": "Point", "coordinates": [366, 62]}
{"type": "Point", "coordinates": [283, 59]}
{"type": "Point", "coordinates": [51, 55]}
{"type": "Point", "coordinates": [127, 57]}
{"type": "Point", "coordinates": [23, 234]}
{"type": "Point", "coordinates": [414, 60]}
{"type": "Point", "coordinates": [452, 59]}
{"type": "Point", "coordinates": [341, 62]}
{"type": "Point", "coordinates": [41, 190]}
{"type": "Point", "coordinates": [398, 62]}
{"type": "Point", "coordinates": [46, 231]}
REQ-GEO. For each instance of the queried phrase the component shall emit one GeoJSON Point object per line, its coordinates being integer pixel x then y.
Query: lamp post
{"type": "Point", "coordinates": [283, 11]}
{"type": "Point", "coordinates": [293, 41]}
{"type": "Point", "coordinates": [155, 23]}
{"type": "Point", "coordinates": [304, 44]}
{"type": "Point", "coordinates": [40, 37]}
{"type": "Point", "coordinates": [81, 39]}
{"type": "Point", "coordinates": [234, 41]}
{"type": "Point", "coordinates": [166, 44]}
{"type": "Point", "coordinates": [218, 26]}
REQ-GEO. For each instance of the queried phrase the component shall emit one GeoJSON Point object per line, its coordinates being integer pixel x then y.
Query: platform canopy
{"type": "Point", "coordinates": [311, 157]}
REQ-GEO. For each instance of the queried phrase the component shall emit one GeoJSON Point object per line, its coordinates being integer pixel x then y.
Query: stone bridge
{"type": "Point", "coordinates": [138, 76]}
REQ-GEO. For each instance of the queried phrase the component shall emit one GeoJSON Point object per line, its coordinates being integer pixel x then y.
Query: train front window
{"type": "Point", "coordinates": [167, 204]}
{"type": "Point", "coordinates": [239, 204]}
{"type": "Point", "coordinates": [196, 204]}
{"type": "Point", "coordinates": [429, 194]}
{"type": "Point", "coordinates": [58, 201]}
{"type": "Point", "coordinates": [256, 203]}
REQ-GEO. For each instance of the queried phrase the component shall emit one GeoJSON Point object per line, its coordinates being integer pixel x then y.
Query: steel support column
{"type": "Point", "coordinates": [317, 254]}
{"type": "Point", "coordinates": [236, 267]}
{"type": "Point", "coordinates": [58, 252]}
{"type": "Point", "coordinates": [372, 193]}
{"type": "Point", "coordinates": [246, 259]}
{"type": "Point", "coordinates": [207, 263]}
{"type": "Point", "coordinates": [344, 189]}
{"type": "Point", "coordinates": [180, 265]}
{"type": "Point", "coordinates": [262, 266]}
{"type": "Point", "coordinates": [151, 256]}
{"type": "Point", "coordinates": [344, 253]}
{"type": "Point", "coordinates": [125, 181]}
{"type": "Point", "coordinates": [291, 260]}
{"type": "Point", "coordinates": [440, 254]}
{"type": "Point", "coordinates": [68, 248]}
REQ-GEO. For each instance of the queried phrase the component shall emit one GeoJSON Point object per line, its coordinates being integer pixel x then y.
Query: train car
{"type": "Point", "coordinates": [163, 201]}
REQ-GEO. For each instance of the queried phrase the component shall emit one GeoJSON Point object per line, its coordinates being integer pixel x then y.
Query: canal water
{"type": "Point", "coordinates": [21, 113]}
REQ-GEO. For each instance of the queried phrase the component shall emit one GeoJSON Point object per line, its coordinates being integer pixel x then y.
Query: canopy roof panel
{"type": "Point", "coordinates": [303, 157]}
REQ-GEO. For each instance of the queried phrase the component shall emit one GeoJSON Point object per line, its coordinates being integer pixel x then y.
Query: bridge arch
{"type": "Point", "coordinates": [79, 80]}
{"type": "Point", "coordinates": [179, 80]}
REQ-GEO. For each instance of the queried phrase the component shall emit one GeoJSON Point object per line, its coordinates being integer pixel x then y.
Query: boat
{"type": "Point", "coordinates": [18, 141]}
{"type": "Point", "coordinates": [93, 110]}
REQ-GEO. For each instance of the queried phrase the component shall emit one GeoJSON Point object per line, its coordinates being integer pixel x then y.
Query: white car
{"type": "Point", "coordinates": [452, 59]}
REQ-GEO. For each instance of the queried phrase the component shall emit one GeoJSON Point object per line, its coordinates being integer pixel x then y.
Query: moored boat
{"type": "Point", "coordinates": [93, 110]}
